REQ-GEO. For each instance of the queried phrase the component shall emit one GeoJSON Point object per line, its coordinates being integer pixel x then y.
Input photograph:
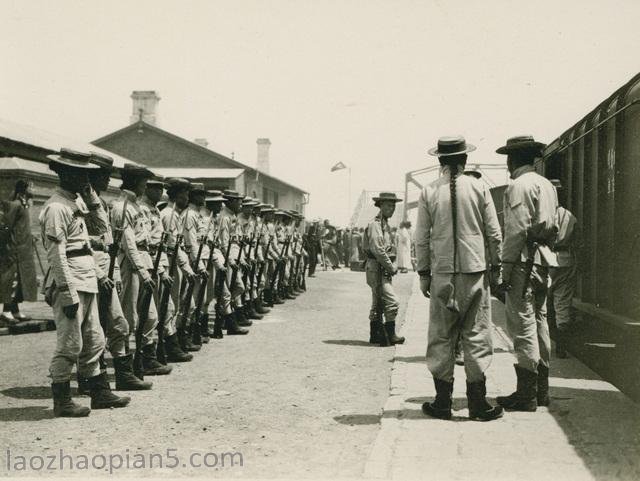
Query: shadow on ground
{"type": "Point", "coordinates": [28, 413]}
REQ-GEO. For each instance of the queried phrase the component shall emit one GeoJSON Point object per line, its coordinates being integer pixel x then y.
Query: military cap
{"type": "Point", "coordinates": [214, 196]}
{"type": "Point", "coordinates": [101, 160]}
{"type": "Point", "coordinates": [178, 183]}
{"type": "Point", "coordinates": [249, 201]}
{"type": "Point", "coordinates": [133, 170]}
{"type": "Point", "coordinates": [232, 194]}
{"type": "Point", "coordinates": [265, 209]}
{"type": "Point", "coordinates": [383, 196]}
{"type": "Point", "coordinates": [71, 158]}
{"type": "Point", "coordinates": [521, 143]}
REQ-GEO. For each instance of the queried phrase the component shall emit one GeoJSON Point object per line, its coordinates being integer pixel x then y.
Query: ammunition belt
{"type": "Point", "coordinates": [85, 251]}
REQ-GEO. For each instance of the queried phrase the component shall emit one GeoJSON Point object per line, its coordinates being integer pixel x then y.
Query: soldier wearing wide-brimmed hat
{"type": "Point", "coordinates": [230, 242]}
{"type": "Point", "coordinates": [380, 269]}
{"type": "Point", "coordinates": [261, 213]}
{"type": "Point", "coordinates": [248, 225]}
{"type": "Point", "coordinates": [172, 218]}
{"type": "Point", "coordinates": [457, 225]}
{"type": "Point", "coordinates": [71, 284]}
{"type": "Point", "coordinates": [112, 318]}
{"type": "Point", "coordinates": [136, 264]}
{"type": "Point", "coordinates": [530, 229]}
{"type": "Point", "coordinates": [272, 255]}
{"type": "Point", "coordinates": [299, 253]}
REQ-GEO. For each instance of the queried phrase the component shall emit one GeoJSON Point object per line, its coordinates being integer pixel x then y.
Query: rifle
{"type": "Point", "coordinates": [166, 291]}
{"type": "Point", "coordinates": [245, 277]}
{"type": "Point", "coordinates": [264, 263]}
{"type": "Point", "coordinates": [197, 313]}
{"type": "Point", "coordinates": [294, 267]}
{"type": "Point", "coordinates": [537, 235]}
{"type": "Point", "coordinates": [254, 267]}
{"type": "Point", "coordinates": [276, 272]}
{"type": "Point", "coordinates": [283, 266]}
{"type": "Point", "coordinates": [192, 284]}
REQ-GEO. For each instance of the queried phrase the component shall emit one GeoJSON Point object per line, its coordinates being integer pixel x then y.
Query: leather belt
{"type": "Point", "coordinates": [142, 247]}
{"type": "Point", "coordinates": [85, 251]}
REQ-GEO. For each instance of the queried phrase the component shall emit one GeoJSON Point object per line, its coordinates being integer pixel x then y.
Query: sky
{"type": "Point", "coordinates": [369, 83]}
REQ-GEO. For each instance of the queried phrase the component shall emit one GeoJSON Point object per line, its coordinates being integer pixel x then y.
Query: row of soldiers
{"type": "Point", "coordinates": [209, 261]}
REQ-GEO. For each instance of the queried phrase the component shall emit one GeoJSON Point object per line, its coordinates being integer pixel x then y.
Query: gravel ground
{"type": "Point", "coordinates": [300, 397]}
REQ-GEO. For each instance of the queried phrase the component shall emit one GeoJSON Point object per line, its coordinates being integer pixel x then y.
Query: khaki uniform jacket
{"type": "Point", "coordinates": [568, 238]}
{"type": "Point", "coordinates": [478, 230]}
{"type": "Point", "coordinates": [529, 200]}
{"type": "Point", "coordinates": [63, 222]}
{"type": "Point", "coordinates": [172, 223]}
{"type": "Point", "coordinates": [377, 243]}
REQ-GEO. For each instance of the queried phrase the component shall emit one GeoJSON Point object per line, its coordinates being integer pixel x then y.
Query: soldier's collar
{"type": "Point", "coordinates": [522, 170]}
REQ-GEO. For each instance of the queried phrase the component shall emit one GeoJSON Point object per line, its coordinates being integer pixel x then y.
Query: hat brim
{"type": "Point", "coordinates": [76, 164]}
{"type": "Point", "coordinates": [435, 153]}
{"type": "Point", "coordinates": [520, 146]}
{"type": "Point", "coordinates": [233, 197]}
{"type": "Point", "coordinates": [381, 199]}
{"type": "Point", "coordinates": [214, 199]}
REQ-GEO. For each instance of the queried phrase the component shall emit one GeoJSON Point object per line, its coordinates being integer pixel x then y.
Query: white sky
{"type": "Point", "coordinates": [370, 83]}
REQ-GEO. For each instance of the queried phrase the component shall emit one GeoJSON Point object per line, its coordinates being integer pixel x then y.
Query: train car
{"type": "Point", "coordinates": [598, 163]}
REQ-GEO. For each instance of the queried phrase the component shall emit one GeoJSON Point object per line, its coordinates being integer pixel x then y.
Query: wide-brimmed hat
{"type": "Point", "coordinates": [521, 143]}
{"type": "Point", "coordinates": [249, 202]}
{"type": "Point", "coordinates": [386, 196]}
{"type": "Point", "coordinates": [232, 194]}
{"type": "Point", "coordinates": [556, 183]}
{"type": "Point", "coordinates": [266, 209]}
{"type": "Point", "coordinates": [177, 184]}
{"type": "Point", "coordinates": [71, 159]}
{"type": "Point", "coordinates": [133, 170]}
{"type": "Point", "coordinates": [156, 182]}
{"type": "Point", "coordinates": [214, 196]}
{"type": "Point", "coordinates": [454, 145]}
{"type": "Point", "coordinates": [103, 161]}
{"type": "Point", "coordinates": [283, 213]}
{"type": "Point", "coordinates": [198, 187]}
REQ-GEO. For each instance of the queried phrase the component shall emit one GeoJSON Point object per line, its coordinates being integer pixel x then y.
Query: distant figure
{"type": "Point", "coordinates": [404, 247]}
{"type": "Point", "coordinates": [355, 260]}
{"type": "Point", "coordinates": [329, 246]}
{"type": "Point", "coordinates": [17, 268]}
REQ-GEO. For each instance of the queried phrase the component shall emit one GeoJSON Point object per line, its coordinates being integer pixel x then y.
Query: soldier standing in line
{"type": "Point", "coordinates": [135, 262]}
{"type": "Point", "coordinates": [299, 254]}
{"type": "Point", "coordinates": [230, 241]}
{"type": "Point", "coordinates": [273, 257]}
{"type": "Point", "coordinates": [563, 277]}
{"type": "Point", "coordinates": [457, 224]}
{"type": "Point", "coordinates": [247, 221]}
{"type": "Point", "coordinates": [213, 202]}
{"type": "Point", "coordinates": [265, 211]}
{"type": "Point", "coordinates": [380, 270]}
{"type": "Point", "coordinates": [313, 247]}
{"type": "Point", "coordinates": [71, 285]}
{"type": "Point", "coordinates": [194, 231]}
{"type": "Point", "coordinates": [115, 325]}
{"type": "Point", "coordinates": [148, 205]}
{"type": "Point", "coordinates": [284, 237]}
{"type": "Point", "coordinates": [530, 229]}
{"type": "Point", "coordinates": [172, 218]}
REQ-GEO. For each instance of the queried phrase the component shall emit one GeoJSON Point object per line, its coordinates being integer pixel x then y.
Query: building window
{"type": "Point", "coordinates": [275, 199]}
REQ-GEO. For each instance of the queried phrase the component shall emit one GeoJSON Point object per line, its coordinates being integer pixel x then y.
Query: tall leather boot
{"type": "Point", "coordinates": [441, 406]}
{"type": "Point", "coordinates": [186, 343]}
{"type": "Point", "coordinates": [383, 337]}
{"type": "Point", "coordinates": [390, 328]}
{"type": "Point", "coordinates": [172, 348]}
{"type": "Point", "coordinates": [374, 334]}
{"type": "Point", "coordinates": [479, 408]}
{"type": "Point", "coordinates": [268, 297]}
{"type": "Point", "coordinates": [218, 324]}
{"type": "Point", "coordinates": [232, 326]}
{"type": "Point", "coordinates": [277, 298]}
{"type": "Point", "coordinates": [260, 307]}
{"type": "Point", "coordinates": [525, 396]}
{"type": "Point", "coordinates": [83, 385]}
{"type": "Point", "coordinates": [101, 395]}
{"type": "Point", "coordinates": [241, 318]}
{"type": "Point", "coordinates": [150, 364]}
{"type": "Point", "coordinates": [251, 312]}
{"type": "Point", "coordinates": [125, 379]}
{"type": "Point", "coordinates": [288, 293]}
{"type": "Point", "coordinates": [196, 332]}
{"type": "Point", "coordinates": [543, 385]}
{"type": "Point", "coordinates": [63, 405]}
{"type": "Point", "coordinates": [204, 327]}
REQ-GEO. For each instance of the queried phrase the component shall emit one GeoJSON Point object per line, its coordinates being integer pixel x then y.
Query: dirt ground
{"type": "Point", "coordinates": [299, 397]}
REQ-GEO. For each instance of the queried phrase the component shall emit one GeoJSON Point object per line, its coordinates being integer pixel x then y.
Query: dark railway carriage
{"type": "Point", "coordinates": [598, 162]}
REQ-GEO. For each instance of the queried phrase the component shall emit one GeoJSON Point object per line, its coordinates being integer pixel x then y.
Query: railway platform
{"type": "Point", "coordinates": [591, 431]}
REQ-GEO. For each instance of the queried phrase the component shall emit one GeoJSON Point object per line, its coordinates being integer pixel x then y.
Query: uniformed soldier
{"type": "Point", "coordinates": [148, 205]}
{"type": "Point", "coordinates": [248, 223]}
{"type": "Point", "coordinates": [299, 255]}
{"type": "Point", "coordinates": [380, 270]}
{"type": "Point", "coordinates": [563, 277]}
{"type": "Point", "coordinates": [457, 223]}
{"type": "Point", "coordinates": [530, 229]}
{"type": "Point", "coordinates": [115, 325]}
{"type": "Point", "coordinates": [231, 241]}
{"type": "Point", "coordinates": [136, 265]}
{"type": "Point", "coordinates": [284, 238]}
{"type": "Point", "coordinates": [173, 223]}
{"type": "Point", "coordinates": [313, 246]}
{"type": "Point", "coordinates": [273, 258]}
{"type": "Point", "coordinates": [71, 285]}
{"type": "Point", "coordinates": [262, 242]}
{"type": "Point", "coordinates": [213, 202]}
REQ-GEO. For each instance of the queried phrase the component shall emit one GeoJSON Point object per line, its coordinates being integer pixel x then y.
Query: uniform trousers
{"type": "Point", "coordinates": [381, 288]}
{"type": "Point", "coordinates": [116, 326]}
{"type": "Point", "coordinates": [129, 299]}
{"type": "Point", "coordinates": [79, 340]}
{"type": "Point", "coordinates": [527, 318]}
{"type": "Point", "coordinates": [563, 286]}
{"type": "Point", "coordinates": [472, 325]}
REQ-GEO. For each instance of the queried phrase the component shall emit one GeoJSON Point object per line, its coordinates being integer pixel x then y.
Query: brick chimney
{"type": "Point", "coordinates": [263, 155]}
{"type": "Point", "coordinates": [145, 106]}
{"type": "Point", "coordinates": [202, 142]}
